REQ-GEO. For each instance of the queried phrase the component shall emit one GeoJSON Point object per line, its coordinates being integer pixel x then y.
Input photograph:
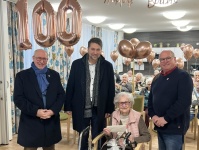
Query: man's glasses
{"type": "Point", "coordinates": [41, 59]}
{"type": "Point", "coordinates": [165, 59]}
{"type": "Point", "coordinates": [124, 103]}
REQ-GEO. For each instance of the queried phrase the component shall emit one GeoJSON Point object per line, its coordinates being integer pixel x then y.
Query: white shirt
{"type": "Point", "coordinates": [92, 75]}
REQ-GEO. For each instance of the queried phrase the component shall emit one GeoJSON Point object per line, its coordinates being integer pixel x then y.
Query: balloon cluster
{"type": "Point", "coordinates": [134, 49]}
{"type": "Point", "coordinates": [55, 24]}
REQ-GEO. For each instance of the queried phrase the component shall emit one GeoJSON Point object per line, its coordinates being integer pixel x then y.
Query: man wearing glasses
{"type": "Point", "coordinates": [39, 95]}
{"type": "Point", "coordinates": [169, 103]}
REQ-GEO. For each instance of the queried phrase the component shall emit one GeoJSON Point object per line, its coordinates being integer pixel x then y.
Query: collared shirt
{"type": "Point", "coordinates": [168, 72]}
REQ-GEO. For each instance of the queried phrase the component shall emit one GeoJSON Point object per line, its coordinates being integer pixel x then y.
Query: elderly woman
{"type": "Point", "coordinates": [139, 81]}
{"type": "Point", "coordinates": [145, 92]}
{"type": "Point", "coordinates": [133, 120]}
{"type": "Point", "coordinates": [124, 85]}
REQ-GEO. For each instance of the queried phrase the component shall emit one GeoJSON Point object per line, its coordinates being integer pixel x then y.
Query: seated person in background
{"type": "Point", "coordinates": [196, 77]}
{"type": "Point", "coordinates": [156, 72]}
{"type": "Point", "coordinates": [117, 77]}
{"type": "Point", "coordinates": [124, 85]}
{"type": "Point", "coordinates": [130, 74]}
{"type": "Point", "coordinates": [133, 120]}
{"type": "Point", "coordinates": [139, 81]}
{"type": "Point", "coordinates": [145, 92]}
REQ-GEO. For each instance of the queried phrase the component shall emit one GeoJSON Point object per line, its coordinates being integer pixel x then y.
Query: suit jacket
{"type": "Point", "coordinates": [33, 131]}
{"type": "Point", "coordinates": [76, 92]}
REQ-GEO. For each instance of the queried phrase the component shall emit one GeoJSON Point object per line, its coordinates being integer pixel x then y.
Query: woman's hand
{"type": "Point", "coordinates": [107, 131]}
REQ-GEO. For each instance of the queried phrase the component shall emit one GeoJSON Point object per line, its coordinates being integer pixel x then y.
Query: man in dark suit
{"type": "Point", "coordinates": [90, 91]}
{"type": "Point", "coordinates": [39, 95]}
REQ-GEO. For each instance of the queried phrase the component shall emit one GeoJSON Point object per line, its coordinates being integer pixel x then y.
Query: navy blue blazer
{"type": "Point", "coordinates": [33, 131]}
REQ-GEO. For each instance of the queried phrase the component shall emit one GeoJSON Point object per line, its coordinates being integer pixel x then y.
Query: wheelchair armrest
{"type": "Point", "coordinates": [95, 141]}
{"type": "Point", "coordinates": [139, 146]}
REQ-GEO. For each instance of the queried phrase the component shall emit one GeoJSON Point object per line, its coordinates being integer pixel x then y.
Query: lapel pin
{"type": "Point", "coordinates": [49, 76]}
{"type": "Point", "coordinates": [167, 78]}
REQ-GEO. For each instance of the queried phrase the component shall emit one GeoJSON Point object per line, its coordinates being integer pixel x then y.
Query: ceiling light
{"type": "Point", "coordinates": [96, 19]}
{"type": "Point", "coordinates": [180, 23]}
{"type": "Point", "coordinates": [161, 3]}
{"type": "Point", "coordinates": [116, 26]}
{"type": "Point", "coordinates": [129, 30]}
{"type": "Point", "coordinates": [174, 14]}
{"type": "Point", "coordinates": [184, 29]}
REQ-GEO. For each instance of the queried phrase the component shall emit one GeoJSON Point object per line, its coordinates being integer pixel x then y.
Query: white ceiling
{"type": "Point", "coordinates": [138, 15]}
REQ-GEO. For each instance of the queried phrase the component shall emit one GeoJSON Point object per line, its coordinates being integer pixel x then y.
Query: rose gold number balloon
{"type": "Point", "coordinates": [143, 49]}
{"type": "Point", "coordinates": [23, 34]}
{"type": "Point", "coordinates": [126, 49]}
{"type": "Point", "coordinates": [44, 40]}
{"type": "Point", "coordinates": [69, 50]}
{"type": "Point", "coordinates": [69, 39]}
{"type": "Point", "coordinates": [114, 55]}
{"type": "Point", "coordinates": [83, 50]}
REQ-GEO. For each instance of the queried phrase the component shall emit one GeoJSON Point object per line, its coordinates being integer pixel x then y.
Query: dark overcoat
{"type": "Point", "coordinates": [33, 131]}
{"type": "Point", "coordinates": [76, 92]}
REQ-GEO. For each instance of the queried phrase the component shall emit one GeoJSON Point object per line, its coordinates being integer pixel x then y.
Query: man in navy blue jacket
{"type": "Point", "coordinates": [90, 91]}
{"type": "Point", "coordinates": [169, 102]}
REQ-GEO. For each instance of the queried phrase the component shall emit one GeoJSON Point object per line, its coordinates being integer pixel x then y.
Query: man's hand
{"type": "Point", "coordinates": [44, 113]}
{"type": "Point", "coordinates": [107, 115]}
{"type": "Point", "coordinates": [161, 122]}
{"type": "Point", "coordinates": [68, 112]}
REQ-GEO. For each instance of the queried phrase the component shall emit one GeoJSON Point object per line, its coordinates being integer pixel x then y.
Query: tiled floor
{"type": "Point", "coordinates": [69, 145]}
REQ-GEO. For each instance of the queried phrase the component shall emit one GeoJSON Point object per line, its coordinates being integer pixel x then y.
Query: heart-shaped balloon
{"type": "Point", "coordinates": [127, 61]}
{"type": "Point", "coordinates": [196, 53]}
{"type": "Point", "coordinates": [83, 50]}
{"type": "Point", "coordinates": [134, 42]}
{"type": "Point", "coordinates": [180, 63]}
{"type": "Point", "coordinates": [188, 51]}
{"type": "Point", "coordinates": [126, 49]}
{"type": "Point", "coordinates": [155, 63]}
{"type": "Point", "coordinates": [114, 55]}
{"type": "Point", "coordinates": [151, 56]}
{"type": "Point", "coordinates": [139, 62]}
{"type": "Point", "coordinates": [143, 49]}
{"type": "Point", "coordinates": [69, 50]}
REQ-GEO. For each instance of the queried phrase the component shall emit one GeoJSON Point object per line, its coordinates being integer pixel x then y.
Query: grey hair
{"type": "Point", "coordinates": [125, 74]}
{"type": "Point", "coordinates": [141, 75]}
{"type": "Point", "coordinates": [171, 53]}
{"type": "Point", "coordinates": [128, 96]}
{"type": "Point", "coordinates": [149, 80]}
{"type": "Point", "coordinates": [40, 50]}
{"type": "Point", "coordinates": [195, 72]}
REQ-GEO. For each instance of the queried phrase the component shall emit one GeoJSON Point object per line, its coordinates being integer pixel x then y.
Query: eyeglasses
{"type": "Point", "coordinates": [41, 58]}
{"type": "Point", "coordinates": [124, 103]}
{"type": "Point", "coordinates": [165, 59]}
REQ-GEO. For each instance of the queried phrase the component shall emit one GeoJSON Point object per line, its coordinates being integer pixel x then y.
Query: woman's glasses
{"type": "Point", "coordinates": [124, 103]}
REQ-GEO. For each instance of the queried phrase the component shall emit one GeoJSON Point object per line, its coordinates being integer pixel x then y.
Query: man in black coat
{"type": "Point", "coordinates": [39, 95]}
{"type": "Point", "coordinates": [90, 91]}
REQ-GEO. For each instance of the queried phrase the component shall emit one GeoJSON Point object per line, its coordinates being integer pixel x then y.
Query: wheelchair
{"type": "Point", "coordinates": [109, 144]}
